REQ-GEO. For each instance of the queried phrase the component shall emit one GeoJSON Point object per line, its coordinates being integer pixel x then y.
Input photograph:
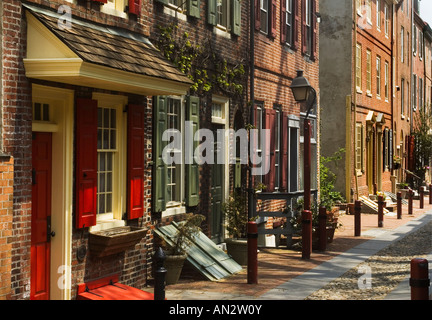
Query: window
{"type": "Point", "coordinates": [378, 76]}
{"type": "Point", "coordinates": [115, 7]}
{"type": "Point", "coordinates": [308, 21]}
{"type": "Point", "coordinates": [41, 112]}
{"type": "Point", "coordinates": [420, 49]}
{"type": "Point", "coordinates": [293, 156]}
{"type": "Point", "coordinates": [368, 71]}
{"type": "Point", "coordinates": [289, 22]}
{"type": "Point", "coordinates": [358, 5]}
{"type": "Point", "coordinates": [359, 148]}
{"type": "Point", "coordinates": [107, 157]}
{"type": "Point", "coordinates": [387, 19]}
{"type": "Point", "coordinates": [386, 80]}
{"type": "Point", "coordinates": [420, 93]}
{"type": "Point", "coordinates": [402, 90]}
{"type": "Point", "coordinates": [378, 14]}
{"type": "Point", "coordinates": [358, 66]}
{"type": "Point", "coordinates": [402, 39]}
{"type": "Point", "coordinates": [179, 4]}
{"type": "Point", "coordinates": [110, 159]}
{"type": "Point", "coordinates": [369, 11]}
{"type": "Point", "coordinates": [264, 12]}
{"type": "Point", "coordinates": [174, 161]}
{"type": "Point", "coordinates": [415, 40]}
{"type": "Point", "coordinates": [414, 93]}
{"type": "Point", "coordinates": [174, 176]}
{"type": "Point", "coordinates": [223, 13]}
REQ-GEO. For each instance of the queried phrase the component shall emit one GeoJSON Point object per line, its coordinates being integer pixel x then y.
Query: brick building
{"type": "Point", "coordinates": [286, 40]}
{"type": "Point", "coordinates": [358, 91]}
{"type": "Point", "coordinates": [86, 98]}
{"type": "Point", "coordinates": [78, 80]}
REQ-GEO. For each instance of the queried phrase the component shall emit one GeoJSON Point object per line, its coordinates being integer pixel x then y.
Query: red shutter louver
{"type": "Point", "coordinates": [269, 178]}
{"type": "Point", "coordinates": [273, 20]}
{"type": "Point", "coordinates": [134, 6]}
{"type": "Point", "coordinates": [86, 163]}
{"type": "Point", "coordinates": [135, 154]}
{"type": "Point", "coordinates": [284, 151]}
{"type": "Point", "coordinates": [283, 22]}
{"type": "Point", "coordinates": [296, 23]}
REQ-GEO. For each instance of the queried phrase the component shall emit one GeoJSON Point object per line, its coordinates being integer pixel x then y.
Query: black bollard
{"type": "Point", "coordinates": [160, 273]}
{"type": "Point", "coordinates": [357, 218]}
{"type": "Point", "coordinates": [399, 205]}
{"type": "Point", "coordinates": [410, 201]}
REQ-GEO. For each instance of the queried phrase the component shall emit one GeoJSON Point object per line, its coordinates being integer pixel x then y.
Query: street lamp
{"type": "Point", "coordinates": [303, 92]}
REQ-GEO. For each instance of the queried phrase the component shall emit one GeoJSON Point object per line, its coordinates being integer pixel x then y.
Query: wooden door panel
{"type": "Point", "coordinates": [41, 216]}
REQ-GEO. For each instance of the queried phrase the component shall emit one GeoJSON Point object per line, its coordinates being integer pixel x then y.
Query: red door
{"type": "Point", "coordinates": [41, 216]}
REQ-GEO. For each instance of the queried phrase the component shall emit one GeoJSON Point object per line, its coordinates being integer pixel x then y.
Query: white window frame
{"type": "Point", "coordinates": [119, 171]}
{"type": "Point", "coordinates": [378, 14]}
{"type": "Point", "coordinates": [369, 71]}
{"type": "Point", "coordinates": [358, 67]}
{"type": "Point", "coordinates": [115, 8]}
{"type": "Point", "coordinates": [264, 13]}
{"type": "Point", "coordinates": [386, 81]}
{"type": "Point", "coordinates": [378, 76]}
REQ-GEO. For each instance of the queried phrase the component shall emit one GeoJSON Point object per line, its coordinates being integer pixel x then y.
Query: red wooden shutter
{"type": "Point", "coordinates": [282, 21]}
{"type": "Point", "coordinates": [135, 154]}
{"type": "Point", "coordinates": [269, 178]}
{"type": "Point", "coordinates": [134, 6]}
{"type": "Point", "coordinates": [86, 162]}
{"type": "Point", "coordinates": [296, 24]}
{"type": "Point", "coordinates": [284, 151]}
{"type": "Point", "coordinates": [273, 20]}
{"type": "Point", "coordinates": [257, 15]}
{"type": "Point", "coordinates": [314, 51]}
{"type": "Point", "coordinates": [101, 1]}
{"type": "Point", "coordinates": [304, 27]}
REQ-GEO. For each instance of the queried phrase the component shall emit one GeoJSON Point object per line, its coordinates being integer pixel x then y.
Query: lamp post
{"type": "Point", "coordinates": [303, 91]}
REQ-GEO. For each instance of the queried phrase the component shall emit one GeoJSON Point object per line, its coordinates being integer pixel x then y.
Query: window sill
{"type": "Point", "coordinates": [113, 12]}
{"type": "Point", "coordinates": [173, 11]}
{"type": "Point", "coordinates": [222, 31]}
{"type": "Point", "coordinates": [174, 210]}
{"type": "Point", "coordinates": [107, 224]}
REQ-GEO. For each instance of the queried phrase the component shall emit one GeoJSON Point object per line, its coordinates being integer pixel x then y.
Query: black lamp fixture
{"type": "Point", "coordinates": [302, 91]}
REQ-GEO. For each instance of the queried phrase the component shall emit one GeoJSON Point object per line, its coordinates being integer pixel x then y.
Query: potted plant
{"type": "Point", "coordinates": [236, 218]}
{"type": "Point", "coordinates": [396, 162]}
{"type": "Point", "coordinates": [176, 254]}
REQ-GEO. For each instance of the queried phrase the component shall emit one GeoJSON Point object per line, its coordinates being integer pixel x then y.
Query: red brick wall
{"type": "Point", "coordinates": [6, 218]}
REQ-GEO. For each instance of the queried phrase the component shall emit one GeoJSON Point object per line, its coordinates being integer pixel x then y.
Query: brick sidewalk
{"type": "Point", "coordinates": [278, 265]}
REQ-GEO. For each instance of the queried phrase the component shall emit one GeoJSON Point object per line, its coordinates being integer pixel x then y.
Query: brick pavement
{"type": "Point", "coordinates": [279, 265]}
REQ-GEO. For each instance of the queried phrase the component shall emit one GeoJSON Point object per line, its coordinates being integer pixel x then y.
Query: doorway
{"type": "Point", "coordinates": [217, 190]}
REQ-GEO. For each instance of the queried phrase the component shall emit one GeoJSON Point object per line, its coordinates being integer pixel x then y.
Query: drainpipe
{"type": "Point", "coordinates": [411, 67]}
{"type": "Point", "coordinates": [252, 98]}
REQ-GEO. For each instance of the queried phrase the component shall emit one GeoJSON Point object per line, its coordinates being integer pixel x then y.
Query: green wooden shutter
{"type": "Point", "coordinates": [192, 170]}
{"type": "Point", "coordinates": [211, 12]}
{"type": "Point", "coordinates": [159, 167]}
{"type": "Point", "coordinates": [237, 174]}
{"type": "Point", "coordinates": [193, 8]}
{"type": "Point", "coordinates": [236, 17]}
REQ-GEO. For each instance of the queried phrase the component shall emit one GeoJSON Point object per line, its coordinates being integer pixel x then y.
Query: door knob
{"type": "Point", "coordinates": [52, 233]}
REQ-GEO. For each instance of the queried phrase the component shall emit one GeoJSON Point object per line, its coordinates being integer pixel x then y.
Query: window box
{"type": "Point", "coordinates": [114, 240]}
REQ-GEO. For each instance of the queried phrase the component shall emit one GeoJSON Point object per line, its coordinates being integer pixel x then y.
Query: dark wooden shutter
{"type": "Point", "coordinates": [283, 22]}
{"type": "Point", "coordinates": [159, 167]}
{"type": "Point", "coordinates": [257, 15]}
{"type": "Point", "coordinates": [86, 163]}
{"type": "Point", "coordinates": [193, 8]}
{"type": "Point", "coordinates": [101, 1]}
{"type": "Point", "coordinates": [162, 1]}
{"type": "Point", "coordinates": [304, 34]}
{"type": "Point", "coordinates": [236, 17]}
{"type": "Point", "coordinates": [296, 24]}
{"type": "Point", "coordinates": [134, 6]}
{"type": "Point", "coordinates": [135, 161]}
{"type": "Point", "coordinates": [269, 178]}
{"type": "Point", "coordinates": [390, 148]}
{"type": "Point", "coordinates": [284, 151]}
{"type": "Point", "coordinates": [211, 12]}
{"type": "Point", "coordinates": [273, 19]}
{"type": "Point", "coordinates": [192, 170]}
{"type": "Point", "coordinates": [314, 50]}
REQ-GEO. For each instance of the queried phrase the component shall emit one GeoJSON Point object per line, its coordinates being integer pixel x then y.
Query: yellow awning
{"type": "Point", "coordinates": [97, 56]}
